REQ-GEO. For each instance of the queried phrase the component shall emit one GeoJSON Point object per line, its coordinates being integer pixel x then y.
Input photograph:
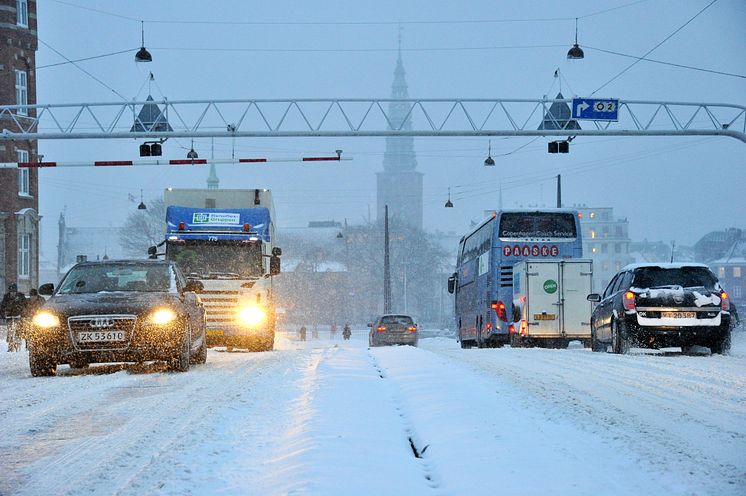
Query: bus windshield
{"type": "Point", "coordinates": [537, 225]}
{"type": "Point", "coordinates": [211, 260]}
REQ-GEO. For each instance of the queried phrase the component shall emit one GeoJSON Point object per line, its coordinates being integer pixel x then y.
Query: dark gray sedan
{"type": "Point", "coordinates": [393, 329]}
{"type": "Point", "coordinates": [119, 311]}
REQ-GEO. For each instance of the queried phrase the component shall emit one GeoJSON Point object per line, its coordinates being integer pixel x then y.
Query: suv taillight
{"type": "Point", "coordinates": [499, 308]}
{"type": "Point", "coordinates": [629, 300]}
{"type": "Point", "coordinates": [724, 303]}
{"type": "Point", "coordinates": [413, 328]}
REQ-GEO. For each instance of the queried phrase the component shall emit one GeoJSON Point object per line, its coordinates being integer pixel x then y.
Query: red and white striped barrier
{"type": "Point", "coordinates": [185, 161]}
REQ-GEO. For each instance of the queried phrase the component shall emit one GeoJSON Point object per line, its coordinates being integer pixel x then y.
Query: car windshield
{"type": "Point", "coordinates": [117, 277]}
{"type": "Point", "coordinates": [686, 277]}
{"type": "Point", "coordinates": [397, 320]}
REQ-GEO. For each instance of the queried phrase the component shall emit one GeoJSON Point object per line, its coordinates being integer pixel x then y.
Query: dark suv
{"type": "Point", "coordinates": [662, 305]}
{"type": "Point", "coordinates": [119, 311]}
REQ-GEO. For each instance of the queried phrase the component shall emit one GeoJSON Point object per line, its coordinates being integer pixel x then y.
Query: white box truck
{"type": "Point", "coordinates": [550, 308]}
{"type": "Point", "coordinates": [225, 238]}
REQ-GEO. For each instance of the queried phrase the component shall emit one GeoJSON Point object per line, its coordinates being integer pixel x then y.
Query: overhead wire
{"type": "Point", "coordinates": [683, 66]}
{"type": "Point", "coordinates": [652, 49]}
{"type": "Point", "coordinates": [82, 70]}
{"type": "Point", "coordinates": [348, 23]}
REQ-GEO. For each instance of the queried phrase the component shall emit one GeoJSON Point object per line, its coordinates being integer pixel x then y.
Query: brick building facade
{"type": "Point", "coordinates": [19, 188]}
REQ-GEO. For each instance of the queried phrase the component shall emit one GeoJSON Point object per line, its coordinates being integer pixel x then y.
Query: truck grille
{"type": "Point", "coordinates": [101, 323]}
{"type": "Point", "coordinates": [220, 307]}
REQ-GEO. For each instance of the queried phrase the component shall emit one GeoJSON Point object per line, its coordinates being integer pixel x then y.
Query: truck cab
{"type": "Point", "coordinates": [231, 252]}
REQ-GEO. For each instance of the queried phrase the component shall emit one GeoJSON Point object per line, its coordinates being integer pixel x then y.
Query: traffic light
{"type": "Point", "coordinates": [558, 146]}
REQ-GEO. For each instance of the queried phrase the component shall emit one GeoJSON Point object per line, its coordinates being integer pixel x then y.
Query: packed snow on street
{"type": "Point", "coordinates": [335, 417]}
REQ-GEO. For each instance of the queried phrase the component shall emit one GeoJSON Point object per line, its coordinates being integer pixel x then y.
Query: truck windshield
{"type": "Point", "coordinates": [212, 260]}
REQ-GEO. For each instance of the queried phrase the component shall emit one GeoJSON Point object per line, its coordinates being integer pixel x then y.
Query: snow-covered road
{"type": "Point", "coordinates": [332, 417]}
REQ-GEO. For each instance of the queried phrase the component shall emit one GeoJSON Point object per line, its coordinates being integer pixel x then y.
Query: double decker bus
{"type": "Point", "coordinates": [483, 281]}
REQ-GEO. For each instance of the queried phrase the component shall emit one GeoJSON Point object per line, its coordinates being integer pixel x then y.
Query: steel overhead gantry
{"type": "Point", "coordinates": [357, 117]}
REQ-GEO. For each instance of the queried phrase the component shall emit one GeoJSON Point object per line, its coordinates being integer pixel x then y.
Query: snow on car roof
{"type": "Point", "coordinates": [673, 265]}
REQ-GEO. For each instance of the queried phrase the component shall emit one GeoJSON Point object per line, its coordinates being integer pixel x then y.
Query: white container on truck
{"type": "Point", "coordinates": [550, 305]}
{"type": "Point", "coordinates": [226, 239]}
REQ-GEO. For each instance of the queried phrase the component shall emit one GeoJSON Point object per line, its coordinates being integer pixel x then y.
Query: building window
{"type": "Point", "coordinates": [619, 231]}
{"type": "Point", "coordinates": [22, 13]}
{"type": "Point", "coordinates": [721, 272]}
{"type": "Point", "coordinates": [605, 265]}
{"type": "Point", "coordinates": [618, 266]}
{"type": "Point", "coordinates": [617, 247]}
{"type": "Point", "coordinates": [22, 91]}
{"type": "Point", "coordinates": [592, 215]}
{"type": "Point", "coordinates": [23, 174]}
{"type": "Point", "coordinates": [209, 202]}
{"type": "Point", "coordinates": [594, 249]}
{"type": "Point", "coordinates": [736, 271]}
{"type": "Point", "coordinates": [24, 255]}
{"type": "Point", "coordinates": [737, 292]}
{"type": "Point", "coordinates": [593, 234]}
{"type": "Point", "coordinates": [604, 248]}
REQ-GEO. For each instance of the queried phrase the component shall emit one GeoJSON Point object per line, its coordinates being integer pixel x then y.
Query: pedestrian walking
{"type": "Point", "coordinates": [11, 309]}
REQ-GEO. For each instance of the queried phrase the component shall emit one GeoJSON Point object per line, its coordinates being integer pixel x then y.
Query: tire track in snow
{"type": "Point", "coordinates": [417, 445]}
{"type": "Point", "coordinates": [620, 397]}
{"type": "Point", "coordinates": [99, 460]}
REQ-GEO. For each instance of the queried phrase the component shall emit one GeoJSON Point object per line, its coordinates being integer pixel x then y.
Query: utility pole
{"type": "Point", "coordinates": [559, 190]}
{"type": "Point", "coordinates": [386, 265]}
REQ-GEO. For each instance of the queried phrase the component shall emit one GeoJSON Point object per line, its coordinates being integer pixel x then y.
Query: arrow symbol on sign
{"type": "Point", "coordinates": [580, 108]}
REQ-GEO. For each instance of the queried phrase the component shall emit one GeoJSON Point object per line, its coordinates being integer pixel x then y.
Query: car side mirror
{"type": "Point", "coordinates": [595, 297]}
{"type": "Point", "coordinates": [152, 251]}
{"type": "Point", "coordinates": [276, 251]}
{"type": "Point", "coordinates": [193, 286]}
{"type": "Point", "coordinates": [46, 289]}
{"type": "Point", "coordinates": [274, 265]}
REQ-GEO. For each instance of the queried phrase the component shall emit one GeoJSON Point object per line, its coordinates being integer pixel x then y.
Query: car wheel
{"type": "Point", "coordinates": [619, 339]}
{"type": "Point", "coordinates": [201, 356]}
{"type": "Point", "coordinates": [180, 362]}
{"type": "Point", "coordinates": [595, 344]}
{"type": "Point", "coordinates": [466, 344]}
{"type": "Point", "coordinates": [721, 346]}
{"type": "Point", "coordinates": [41, 365]}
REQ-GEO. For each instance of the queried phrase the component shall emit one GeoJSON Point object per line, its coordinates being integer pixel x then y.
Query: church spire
{"type": "Point", "coordinates": [399, 153]}
{"type": "Point", "coordinates": [212, 180]}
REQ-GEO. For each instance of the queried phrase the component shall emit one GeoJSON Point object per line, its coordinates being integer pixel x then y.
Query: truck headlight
{"type": "Point", "coordinates": [162, 316]}
{"type": "Point", "coordinates": [252, 316]}
{"type": "Point", "coordinates": [45, 320]}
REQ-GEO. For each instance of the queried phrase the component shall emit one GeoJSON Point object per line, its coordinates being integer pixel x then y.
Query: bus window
{"type": "Point", "coordinates": [537, 225]}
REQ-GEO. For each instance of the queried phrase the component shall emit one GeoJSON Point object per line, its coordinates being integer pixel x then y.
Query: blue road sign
{"type": "Point", "coordinates": [595, 109]}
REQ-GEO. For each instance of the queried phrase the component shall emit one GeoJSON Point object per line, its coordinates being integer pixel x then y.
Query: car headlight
{"type": "Point", "coordinates": [252, 316]}
{"type": "Point", "coordinates": [45, 320]}
{"type": "Point", "coordinates": [162, 316]}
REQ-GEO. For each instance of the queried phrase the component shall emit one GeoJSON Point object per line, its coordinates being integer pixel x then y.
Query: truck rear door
{"type": "Point", "coordinates": [543, 310]}
{"type": "Point", "coordinates": [575, 286]}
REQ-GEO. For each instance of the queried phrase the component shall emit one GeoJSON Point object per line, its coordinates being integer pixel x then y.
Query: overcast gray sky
{"type": "Point", "coordinates": [668, 188]}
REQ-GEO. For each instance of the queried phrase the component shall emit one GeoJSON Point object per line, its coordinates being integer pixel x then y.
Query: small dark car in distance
{"type": "Point", "coordinates": [662, 305]}
{"type": "Point", "coordinates": [393, 329]}
{"type": "Point", "coordinates": [119, 311]}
